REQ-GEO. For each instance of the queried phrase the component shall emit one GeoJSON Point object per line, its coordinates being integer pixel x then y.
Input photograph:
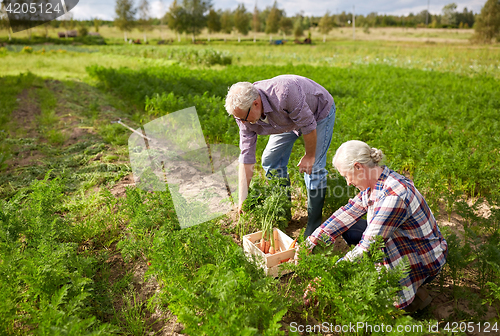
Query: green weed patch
{"type": "Point", "coordinates": [46, 284]}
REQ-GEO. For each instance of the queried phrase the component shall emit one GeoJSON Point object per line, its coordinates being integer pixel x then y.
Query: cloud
{"type": "Point", "coordinates": [105, 9]}
{"type": "Point", "coordinates": [86, 10]}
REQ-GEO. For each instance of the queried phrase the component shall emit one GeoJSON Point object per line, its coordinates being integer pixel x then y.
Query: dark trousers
{"type": "Point", "coordinates": [355, 232]}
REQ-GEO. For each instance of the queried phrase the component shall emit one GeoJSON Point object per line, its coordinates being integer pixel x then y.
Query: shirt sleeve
{"type": "Point", "coordinates": [298, 110]}
{"type": "Point", "coordinates": [388, 215]}
{"type": "Point", "coordinates": [339, 222]}
{"type": "Point", "coordinates": [248, 145]}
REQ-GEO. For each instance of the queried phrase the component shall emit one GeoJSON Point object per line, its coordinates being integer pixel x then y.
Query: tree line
{"type": "Point", "coordinates": [192, 16]}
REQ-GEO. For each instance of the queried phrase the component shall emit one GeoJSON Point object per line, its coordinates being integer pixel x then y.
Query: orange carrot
{"type": "Point", "coordinates": [262, 244]}
{"type": "Point", "coordinates": [272, 250]}
{"type": "Point", "coordinates": [267, 244]}
{"type": "Point", "coordinates": [292, 245]}
{"type": "Point", "coordinates": [284, 260]}
{"type": "Point", "coordinates": [276, 240]}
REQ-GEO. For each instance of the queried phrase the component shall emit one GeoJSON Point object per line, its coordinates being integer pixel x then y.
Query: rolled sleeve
{"type": "Point", "coordinates": [248, 145]}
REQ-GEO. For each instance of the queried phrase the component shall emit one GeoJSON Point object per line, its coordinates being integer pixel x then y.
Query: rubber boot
{"type": "Point", "coordinates": [315, 202]}
{"type": "Point", "coordinates": [422, 299]}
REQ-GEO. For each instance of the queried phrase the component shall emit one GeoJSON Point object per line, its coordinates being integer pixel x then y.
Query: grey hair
{"type": "Point", "coordinates": [240, 95]}
{"type": "Point", "coordinates": [354, 151]}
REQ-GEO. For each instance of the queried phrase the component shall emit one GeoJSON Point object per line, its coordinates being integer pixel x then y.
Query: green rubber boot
{"type": "Point", "coordinates": [315, 202]}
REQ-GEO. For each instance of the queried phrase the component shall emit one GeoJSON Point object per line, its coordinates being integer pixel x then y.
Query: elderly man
{"type": "Point", "coordinates": [286, 107]}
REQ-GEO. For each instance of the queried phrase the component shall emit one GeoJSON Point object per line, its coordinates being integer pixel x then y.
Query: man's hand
{"type": "Point", "coordinates": [306, 164]}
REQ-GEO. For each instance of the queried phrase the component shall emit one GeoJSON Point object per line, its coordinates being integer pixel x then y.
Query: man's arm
{"type": "Point", "coordinates": [306, 163]}
{"type": "Point", "coordinates": [244, 178]}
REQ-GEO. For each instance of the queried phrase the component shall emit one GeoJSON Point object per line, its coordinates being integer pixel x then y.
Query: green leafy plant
{"type": "Point", "coordinates": [348, 292]}
{"type": "Point", "coordinates": [211, 286]}
{"type": "Point", "coordinates": [268, 203]}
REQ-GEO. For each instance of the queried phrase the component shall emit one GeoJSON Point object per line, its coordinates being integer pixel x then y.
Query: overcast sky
{"type": "Point", "coordinates": [105, 9]}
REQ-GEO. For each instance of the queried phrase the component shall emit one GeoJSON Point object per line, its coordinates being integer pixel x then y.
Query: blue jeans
{"type": "Point", "coordinates": [279, 148]}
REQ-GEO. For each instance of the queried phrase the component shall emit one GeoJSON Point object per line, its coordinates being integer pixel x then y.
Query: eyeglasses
{"type": "Point", "coordinates": [245, 117]}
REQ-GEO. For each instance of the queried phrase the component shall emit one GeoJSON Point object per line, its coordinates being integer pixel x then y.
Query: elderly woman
{"type": "Point", "coordinates": [396, 211]}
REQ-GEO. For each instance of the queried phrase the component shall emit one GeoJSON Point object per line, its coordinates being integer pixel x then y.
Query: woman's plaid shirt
{"type": "Point", "coordinates": [398, 212]}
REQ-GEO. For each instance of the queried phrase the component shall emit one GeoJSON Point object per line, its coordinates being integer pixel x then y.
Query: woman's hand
{"type": "Point", "coordinates": [298, 248]}
{"type": "Point", "coordinates": [311, 289]}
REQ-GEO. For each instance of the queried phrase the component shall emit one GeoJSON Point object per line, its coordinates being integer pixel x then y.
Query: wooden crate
{"type": "Point", "coordinates": [269, 262]}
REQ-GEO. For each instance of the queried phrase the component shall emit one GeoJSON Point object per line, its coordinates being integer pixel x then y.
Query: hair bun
{"type": "Point", "coordinates": [376, 155]}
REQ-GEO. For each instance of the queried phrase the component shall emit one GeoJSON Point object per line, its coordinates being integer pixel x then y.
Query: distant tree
{"type": "Point", "coordinates": [273, 19]}
{"type": "Point", "coordinates": [343, 18]}
{"type": "Point", "coordinates": [255, 21]}
{"type": "Point", "coordinates": [466, 18]}
{"type": "Point", "coordinates": [97, 24]}
{"type": "Point", "coordinates": [163, 17]}
{"type": "Point", "coordinates": [298, 28]}
{"type": "Point", "coordinates": [241, 20]}
{"type": "Point", "coordinates": [4, 21]}
{"type": "Point", "coordinates": [125, 13]}
{"type": "Point", "coordinates": [67, 22]}
{"type": "Point", "coordinates": [450, 14]}
{"type": "Point", "coordinates": [325, 24]}
{"type": "Point", "coordinates": [175, 19]}
{"type": "Point", "coordinates": [195, 16]}
{"type": "Point", "coordinates": [488, 23]}
{"type": "Point", "coordinates": [213, 22]}
{"type": "Point", "coordinates": [306, 22]}
{"type": "Point", "coordinates": [286, 25]}
{"type": "Point", "coordinates": [422, 17]}
{"type": "Point", "coordinates": [144, 22]}
{"type": "Point", "coordinates": [263, 18]}
{"type": "Point", "coordinates": [82, 29]}
{"type": "Point", "coordinates": [226, 22]}
{"type": "Point", "coordinates": [370, 20]}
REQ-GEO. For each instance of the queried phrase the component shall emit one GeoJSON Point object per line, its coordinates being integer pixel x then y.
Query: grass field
{"type": "Point", "coordinates": [84, 252]}
{"type": "Point", "coordinates": [343, 33]}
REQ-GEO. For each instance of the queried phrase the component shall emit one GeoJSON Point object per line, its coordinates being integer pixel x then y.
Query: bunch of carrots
{"type": "Point", "coordinates": [268, 245]}
{"type": "Point", "coordinates": [272, 246]}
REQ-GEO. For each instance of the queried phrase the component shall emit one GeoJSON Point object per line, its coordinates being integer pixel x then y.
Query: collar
{"type": "Point", "coordinates": [266, 106]}
{"type": "Point", "coordinates": [369, 196]}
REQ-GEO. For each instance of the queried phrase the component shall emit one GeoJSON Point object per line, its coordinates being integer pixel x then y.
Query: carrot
{"type": "Point", "coordinates": [292, 245]}
{"type": "Point", "coordinates": [276, 240]}
{"type": "Point", "coordinates": [284, 260]}
{"type": "Point", "coordinates": [262, 244]}
{"type": "Point", "coordinates": [267, 244]}
{"type": "Point", "coordinates": [272, 250]}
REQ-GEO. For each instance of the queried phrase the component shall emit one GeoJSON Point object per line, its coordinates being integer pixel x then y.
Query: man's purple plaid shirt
{"type": "Point", "coordinates": [397, 212]}
{"type": "Point", "coordinates": [290, 103]}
